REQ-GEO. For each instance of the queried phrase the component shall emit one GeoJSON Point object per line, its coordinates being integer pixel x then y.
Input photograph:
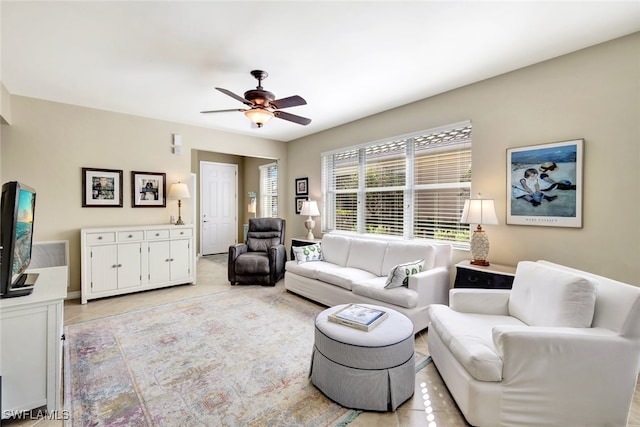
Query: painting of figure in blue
{"type": "Point", "coordinates": [544, 184]}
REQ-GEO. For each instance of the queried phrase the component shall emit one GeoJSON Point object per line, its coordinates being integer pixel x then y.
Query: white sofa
{"type": "Point", "coordinates": [562, 348]}
{"type": "Point", "coordinates": [355, 269]}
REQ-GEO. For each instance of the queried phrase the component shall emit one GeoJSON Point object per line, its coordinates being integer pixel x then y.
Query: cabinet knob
{"type": "Point", "coordinates": [130, 236]}
{"type": "Point", "coordinates": [182, 232]}
{"type": "Point", "coordinates": [99, 237]}
{"type": "Point", "coordinates": [114, 266]}
{"type": "Point", "coordinates": [119, 265]}
{"type": "Point", "coordinates": [167, 260]}
{"type": "Point", "coordinates": [157, 234]}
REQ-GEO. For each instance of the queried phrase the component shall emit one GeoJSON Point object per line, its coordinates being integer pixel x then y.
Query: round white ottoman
{"type": "Point", "coordinates": [373, 371]}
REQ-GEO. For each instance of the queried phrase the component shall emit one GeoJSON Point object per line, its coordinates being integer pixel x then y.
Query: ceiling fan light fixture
{"type": "Point", "coordinates": [259, 116]}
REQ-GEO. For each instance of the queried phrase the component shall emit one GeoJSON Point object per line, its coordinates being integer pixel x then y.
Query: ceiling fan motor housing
{"type": "Point", "coordinates": [259, 96]}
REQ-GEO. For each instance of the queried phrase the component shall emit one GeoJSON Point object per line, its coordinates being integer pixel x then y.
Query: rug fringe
{"type": "Point", "coordinates": [348, 418]}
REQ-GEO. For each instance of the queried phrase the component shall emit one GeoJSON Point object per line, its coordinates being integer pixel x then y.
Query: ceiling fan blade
{"type": "Point", "coordinates": [233, 95]}
{"type": "Point", "coordinates": [291, 101]}
{"type": "Point", "coordinates": [221, 111]}
{"type": "Point", "coordinates": [292, 118]}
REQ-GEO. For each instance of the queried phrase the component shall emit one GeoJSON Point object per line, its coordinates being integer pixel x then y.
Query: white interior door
{"type": "Point", "coordinates": [218, 207]}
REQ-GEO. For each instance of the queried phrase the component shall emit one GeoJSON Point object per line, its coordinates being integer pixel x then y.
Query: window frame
{"type": "Point", "coordinates": [450, 139]}
{"type": "Point", "coordinates": [268, 206]}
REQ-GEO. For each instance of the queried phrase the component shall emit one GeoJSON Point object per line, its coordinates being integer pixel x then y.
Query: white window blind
{"type": "Point", "coordinates": [269, 190]}
{"type": "Point", "coordinates": [412, 186]}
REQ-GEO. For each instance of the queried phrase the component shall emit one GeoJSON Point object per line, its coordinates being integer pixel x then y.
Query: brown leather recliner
{"type": "Point", "coordinates": [261, 259]}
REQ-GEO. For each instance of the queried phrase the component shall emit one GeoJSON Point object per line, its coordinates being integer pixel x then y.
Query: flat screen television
{"type": "Point", "coordinates": [16, 238]}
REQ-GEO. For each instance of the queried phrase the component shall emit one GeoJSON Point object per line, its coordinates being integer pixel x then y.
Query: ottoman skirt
{"type": "Point", "coordinates": [373, 371]}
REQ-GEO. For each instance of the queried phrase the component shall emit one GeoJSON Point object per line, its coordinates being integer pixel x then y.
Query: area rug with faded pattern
{"type": "Point", "coordinates": [233, 358]}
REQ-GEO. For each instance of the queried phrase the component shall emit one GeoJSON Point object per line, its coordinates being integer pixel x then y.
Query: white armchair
{"type": "Point", "coordinates": [561, 348]}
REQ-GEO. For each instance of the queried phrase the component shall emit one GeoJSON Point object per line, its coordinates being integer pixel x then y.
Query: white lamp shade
{"type": "Point", "coordinates": [179, 191]}
{"type": "Point", "coordinates": [310, 208]}
{"type": "Point", "coordinates": [479, 211]}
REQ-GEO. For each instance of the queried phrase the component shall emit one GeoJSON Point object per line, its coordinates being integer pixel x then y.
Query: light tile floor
{"type": "Point", "coordinates": [431, 404]}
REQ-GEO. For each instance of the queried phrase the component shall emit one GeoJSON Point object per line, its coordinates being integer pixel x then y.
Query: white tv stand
{"type": "Point", "coordinates": [31, 329]}
{"type": "Point", "coordinates": [121, 260]}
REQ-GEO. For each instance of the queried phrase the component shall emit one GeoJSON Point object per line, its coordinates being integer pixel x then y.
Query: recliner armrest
{"type": "Point", "coordinates": [236, 250]}
{"type": "Point", "coordinates": [277, 259]}
{"type": "Point", "coordinates": [480, 301]}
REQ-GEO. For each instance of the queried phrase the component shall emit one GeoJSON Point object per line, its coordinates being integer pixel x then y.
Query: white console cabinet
{"type": "Point", "coordinates": [31, 344]}
{"type": "Point", "coordinates": [119, 260]}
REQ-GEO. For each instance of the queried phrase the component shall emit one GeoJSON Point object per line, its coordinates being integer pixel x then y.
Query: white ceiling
{"type": "Point", "coordinates": [347, 59]}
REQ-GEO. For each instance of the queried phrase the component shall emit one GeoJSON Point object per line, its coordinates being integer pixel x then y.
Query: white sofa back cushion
{"type": "Point", "coordinates": [546, 296]}
{"type": "Point", "coordinates": [335, 249]}
{"type": "Point", "coordinates": [403, 252]}
{"type": "Point", "coordinates": [367, 255]}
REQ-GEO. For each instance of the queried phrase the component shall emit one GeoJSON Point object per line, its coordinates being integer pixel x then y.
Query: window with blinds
{"type": "Point", "coordinates": [412, 186]}
{"type": "Point", "coordinates": [269, 190]}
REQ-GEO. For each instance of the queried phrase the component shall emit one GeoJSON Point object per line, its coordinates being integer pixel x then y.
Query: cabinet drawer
{"type": "Point", "coordinates": [157, 234]}
{"type": "Point", "coordinates": [182, 232]}
{"type": "Point", "coordinates": [130, 236]}
{"type": "Point", "coordinates": [476, 279]}
{"type": "Point", "coordinates": [101, 238]}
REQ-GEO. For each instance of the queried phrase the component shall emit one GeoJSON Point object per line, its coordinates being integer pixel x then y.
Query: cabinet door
{"type": "Point", "coordinates": [104, 268]}
{"type": "Point", "coordinates": [159, 261]}
{"type": "Point", "coordinates": [129, 268]}
{"type": "Point", "coordinates": [180, 259]}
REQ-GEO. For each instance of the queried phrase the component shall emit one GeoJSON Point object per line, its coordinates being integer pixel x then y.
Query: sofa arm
{"type": "Point", "coordinates": [431, 285]}
{"type": "Point", "coordinates": [595, 367]}
{"type": "Point", "coordinates": [480, 301]}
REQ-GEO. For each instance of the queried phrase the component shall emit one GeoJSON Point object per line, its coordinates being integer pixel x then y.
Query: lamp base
{"type": "Point", "coordinates": [309, 224]}
{"type": "Point", "coordinates": [479, 247]}
{"type": "Point", "coordinates": [179, 221]}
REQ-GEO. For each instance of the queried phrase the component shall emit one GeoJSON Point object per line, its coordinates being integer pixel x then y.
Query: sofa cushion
{"type": "Point", "coordinates": [367, 255]}
{"type": "Point", "coordinates": [374, 288]}
{"type": "Point", "coordinates": [546, 296]}
{"type": "Point", "coordinates": [469, 337]}
{"type": "Point", "coordinates": [344, 276]}
{"type": "Point", "coordinates": [335, 249]}
{"type": "Point", "coordinates": [307, 253]}
{"type": "Point", "coordinates": [399, 275]}
{"type": "Point", "coordinates": [310, 269]}
{"type": "Point", "coordinates": [401, 252]}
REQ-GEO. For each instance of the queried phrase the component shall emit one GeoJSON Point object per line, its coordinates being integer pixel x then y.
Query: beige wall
{"type": "Point", "coordinates": [592, 94]}
{"type": "Point", "coordinates": [48, 143]}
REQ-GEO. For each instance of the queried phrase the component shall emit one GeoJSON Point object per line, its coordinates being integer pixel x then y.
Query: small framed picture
{"type": "Point", "coordinates": [302, 186]}
{"type": "Point", "coordinates": [148, 189]}
{"type": "Point", "coordinates": [101, 188]}
{"type": "Point", "coordinates": [544, 184]}
{"type": "Point", "coordinates": [299, 201]}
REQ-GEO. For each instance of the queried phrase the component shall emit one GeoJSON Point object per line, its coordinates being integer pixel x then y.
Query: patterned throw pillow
{"type": "Point", "coordinates": [399, 275]}
{"type": "Point", "coordinates": [308, 253]}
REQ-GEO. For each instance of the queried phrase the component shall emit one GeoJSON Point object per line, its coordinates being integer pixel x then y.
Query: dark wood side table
{"type": "Point", "coordinates": [301, 241]}
{"type": "Point", "coordinates": [494, 276]}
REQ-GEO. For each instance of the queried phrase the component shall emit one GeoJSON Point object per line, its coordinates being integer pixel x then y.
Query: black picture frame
{"type": "Point", "coordinates": [148, 189]}
{"type": "Point", "coordinates": [101, 188]}
{"type": "Point", "coordinates": [302, 186]}
{"type": "Point", "coordinates": [299, 201]}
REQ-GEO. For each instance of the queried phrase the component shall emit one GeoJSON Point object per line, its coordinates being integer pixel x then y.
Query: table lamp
{"type": "Point", "coordinates": [310, 208]}
{"type": "Point", "coordinates": [479, 211]}
{"type": "Point", "coordinates": [179, 191]}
